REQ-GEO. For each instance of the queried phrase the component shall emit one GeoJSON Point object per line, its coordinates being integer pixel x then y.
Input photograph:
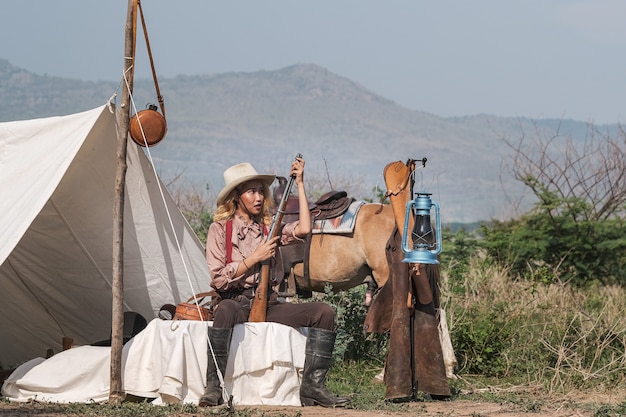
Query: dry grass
{"type": "Point", "coordinates": [561, 338]}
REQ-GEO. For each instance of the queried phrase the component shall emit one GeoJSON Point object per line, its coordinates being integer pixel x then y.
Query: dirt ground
{"type": "Point", "coordinates": [573, 405]}
{"type": "Point", "coordinates": [462, 408]}
{"type": "Point", "coordinates": [453, 409]}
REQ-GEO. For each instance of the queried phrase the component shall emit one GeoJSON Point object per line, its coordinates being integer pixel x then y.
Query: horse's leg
{"type": "Point", "coordinates": [371, 288]}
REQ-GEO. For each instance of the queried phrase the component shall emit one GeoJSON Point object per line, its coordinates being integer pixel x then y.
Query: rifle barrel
{"type": "Point", "coordinates": [283, 203]}
{"type": "Point", "coordinates": [258, 311]}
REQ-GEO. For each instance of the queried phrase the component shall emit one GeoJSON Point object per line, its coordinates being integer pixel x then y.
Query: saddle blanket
{"type": "Point", "coordinates": [340, 225]}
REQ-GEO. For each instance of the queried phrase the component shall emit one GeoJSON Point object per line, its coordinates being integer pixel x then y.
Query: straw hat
{"type": "Point", "coordinates": [238, 174]}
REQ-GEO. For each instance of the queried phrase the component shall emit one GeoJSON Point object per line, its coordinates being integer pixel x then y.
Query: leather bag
{"type": "Point", "coordinates": [188, 310]}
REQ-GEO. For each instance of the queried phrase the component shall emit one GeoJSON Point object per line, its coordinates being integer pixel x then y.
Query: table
{"type": "Point", "coordinates": [167, 362]}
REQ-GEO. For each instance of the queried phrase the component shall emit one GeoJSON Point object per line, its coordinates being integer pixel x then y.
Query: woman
{"type": "Point", "coordinates": [236, 246]}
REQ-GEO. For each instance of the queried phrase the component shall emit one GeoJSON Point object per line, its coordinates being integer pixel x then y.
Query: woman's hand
{"type": "Point", "coordinates": [297, 170]}
{"type": "Point", "coordinates": [264, 251]}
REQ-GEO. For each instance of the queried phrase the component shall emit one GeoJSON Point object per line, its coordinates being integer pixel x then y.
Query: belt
{"type": "Point", "coordinates": [227, 295]}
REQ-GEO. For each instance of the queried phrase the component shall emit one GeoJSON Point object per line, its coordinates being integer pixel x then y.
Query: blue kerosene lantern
{"type": "Point", "coordinates": [426, 242]}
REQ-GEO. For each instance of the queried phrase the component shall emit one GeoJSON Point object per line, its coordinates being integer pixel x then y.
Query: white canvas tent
{"type": "Point", "coordinates": [56, 198]}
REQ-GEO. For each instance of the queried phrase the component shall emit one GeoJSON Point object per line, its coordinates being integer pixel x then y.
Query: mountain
{"type": "Point", "coordinates": [346, 133]}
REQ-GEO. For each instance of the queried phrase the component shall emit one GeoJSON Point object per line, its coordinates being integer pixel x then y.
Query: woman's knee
{"type": "Point", "coordinates": [326, 316]}
{"type": "Point", "coordinates": [326, 310]}
{"type": "Point", "coordinates": [225, 314]}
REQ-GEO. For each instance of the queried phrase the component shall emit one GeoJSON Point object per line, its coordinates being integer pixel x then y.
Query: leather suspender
{"type": "Point", "coordinates": [229, 240]}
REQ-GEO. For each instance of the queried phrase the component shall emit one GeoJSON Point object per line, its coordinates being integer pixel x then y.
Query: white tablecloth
{"type": "Point", "coordinates": [167, 361]}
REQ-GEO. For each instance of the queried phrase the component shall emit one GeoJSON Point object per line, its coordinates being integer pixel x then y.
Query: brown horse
{"type": "Point", "coordinates": [345, 261]}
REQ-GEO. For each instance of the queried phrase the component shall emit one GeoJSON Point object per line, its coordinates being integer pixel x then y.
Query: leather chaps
{"type": "Point", "coordinates": [415, 359]}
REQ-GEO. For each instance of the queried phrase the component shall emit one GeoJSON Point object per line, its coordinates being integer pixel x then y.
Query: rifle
{"type": "Point", "coordinates": [258, 310]}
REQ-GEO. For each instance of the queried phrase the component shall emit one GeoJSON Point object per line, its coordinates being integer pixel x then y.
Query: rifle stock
{"type": "Point", "coordinates": [258, 311]}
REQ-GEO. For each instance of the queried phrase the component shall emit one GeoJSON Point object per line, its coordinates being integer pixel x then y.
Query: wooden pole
{"type": "Point", "coordinates": [116, 392]}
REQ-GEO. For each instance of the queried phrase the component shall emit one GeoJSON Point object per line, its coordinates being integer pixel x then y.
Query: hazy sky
{"type": "Point", "coordinates": [533, 58]}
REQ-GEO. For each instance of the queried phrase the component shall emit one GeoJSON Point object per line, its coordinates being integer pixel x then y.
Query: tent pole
{"type": "Point", "coordinates": [116, 393]}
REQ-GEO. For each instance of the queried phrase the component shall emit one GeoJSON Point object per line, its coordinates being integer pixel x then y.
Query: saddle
{"type": "Point", "coordinates": [328, 206]}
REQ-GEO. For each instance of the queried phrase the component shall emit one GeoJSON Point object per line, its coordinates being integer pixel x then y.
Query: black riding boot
{"type": "Point", "coordinates": [220, 340]}
{"type": "Point", "coordinates": [319, 349]}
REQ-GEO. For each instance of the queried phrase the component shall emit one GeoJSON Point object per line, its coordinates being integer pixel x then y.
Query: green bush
{"type": "Point", "coordinates": [458, 249]}
{"type": "Point", "coordinates": [481, 340]}
{"type": "Point", "coordinates": [556, 242]}
{"type": "Point", "coordinates": [352, 342]}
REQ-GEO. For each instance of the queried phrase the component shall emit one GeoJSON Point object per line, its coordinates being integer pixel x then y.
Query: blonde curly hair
{"type": "Point", "coordinates": [227, 209]}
